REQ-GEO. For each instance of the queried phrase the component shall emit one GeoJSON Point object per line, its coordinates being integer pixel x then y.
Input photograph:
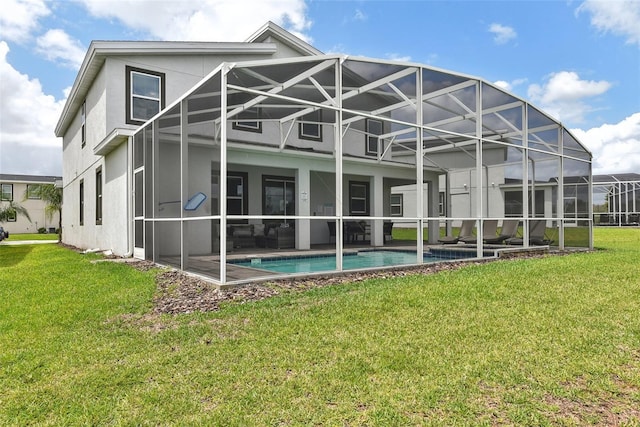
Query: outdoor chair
{"type": "Point", "coordinates": [466, 231]}
{"type": "Point", "coordinates": [354, 230]}
{"type": "Point", "coordinates": [508, 231]}
{"type": "Point", "coordinates": [387, 230]}
{"type": "Point", "coordinates": [537, 231]}
{"type": "Point", "coordinates": [332, 230]}
{"type": "Point", "coordinates": [489, 231]}
{"type": "Point", "coordinates": [281, 237]}
{"type": "Point", "coordinates": [242, 234]}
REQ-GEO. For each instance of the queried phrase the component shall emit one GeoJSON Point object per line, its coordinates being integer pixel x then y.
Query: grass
{"type": "Point", "coordinates": [547, 341]}
{"type": "Point", "coordinates": [33, 236]}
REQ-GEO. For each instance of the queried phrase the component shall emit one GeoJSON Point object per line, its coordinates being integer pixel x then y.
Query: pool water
{"type": "Point", "coordinates": [350, 261]}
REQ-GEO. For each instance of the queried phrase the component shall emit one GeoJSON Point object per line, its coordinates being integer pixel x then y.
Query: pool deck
{"type": "Point", "coordinates": [209, 265]}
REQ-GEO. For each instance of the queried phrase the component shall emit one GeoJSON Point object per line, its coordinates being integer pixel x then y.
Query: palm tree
{"type": "Point", "coordinates": [52, 196]}
{"type": "Point", "coordinates": [11, 211]}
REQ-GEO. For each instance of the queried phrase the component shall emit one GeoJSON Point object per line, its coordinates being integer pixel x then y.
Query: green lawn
{"type": "Point", "coordinates": [33, 236]}
{"type": "Point", "coordinates": [546, 341]}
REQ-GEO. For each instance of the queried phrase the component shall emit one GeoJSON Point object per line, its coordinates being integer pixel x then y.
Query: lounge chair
{"type": "Point", "coordinates": [537, 229]}
{"type": "Point", "coordinates": [387, 231]}
{"type": "Point", "coordinates": [508, 231]}
{"type": "Point", "coordinates": [332, 230]}
{"type": "Point", "coordinates": [466, 231]}
{"type": "Point", "coordinates": [489, 231]}
{"type": "Point", "coordinates": [354, 230]}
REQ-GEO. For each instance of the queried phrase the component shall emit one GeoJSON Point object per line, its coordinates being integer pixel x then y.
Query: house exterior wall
{"type": "Point", "coordinates": [105, 112]}
{"type": "Point", "coordinates": [79, 165]}
{"type": "Point", "coordinates": [115, 205]}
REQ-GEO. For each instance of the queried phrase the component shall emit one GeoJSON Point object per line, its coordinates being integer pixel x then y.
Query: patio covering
{"type": "Point", "coordinates": [285, 151]}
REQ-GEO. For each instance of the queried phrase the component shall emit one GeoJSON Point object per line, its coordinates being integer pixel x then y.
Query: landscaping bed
{"type": "Point", "coordinates": [179, 292]}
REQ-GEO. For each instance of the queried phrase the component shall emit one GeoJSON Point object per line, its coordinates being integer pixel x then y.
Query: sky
{"type": "Point", "coordinates": [577, 60]}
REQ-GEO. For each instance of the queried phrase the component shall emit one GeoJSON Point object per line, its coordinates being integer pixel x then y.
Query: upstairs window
{"type": "Point", "coordinates": [145, 94]}
{"type": "Point", "coordinates": [310, 126]}
{"type": "Point", "coordinates": [245, 123]}
{"type": "Point", "coordinates": [7, 192]}
{"type": "Point", "coordinates": [83, 120]}
{"type": "Point", "coordinates": [373, 128]}
{"type": "Point", "coordinates": [33, 191]}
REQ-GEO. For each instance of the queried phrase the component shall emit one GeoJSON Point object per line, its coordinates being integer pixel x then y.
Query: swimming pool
{"type": "Point", "coordinates": [350, 261]}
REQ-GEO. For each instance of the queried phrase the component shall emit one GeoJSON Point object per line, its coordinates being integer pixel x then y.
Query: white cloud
{"type": "Point", "coordinates": [620, 17]}
{"type": "Point", "coordinates": [398, 57]}
{"type": "Point", "coordinates": [58, 46]}
{"type": "Point", "coordinates": [205, 20]}
{"type": "Point", "coordinates": [29, 116]}
{"type": "Point", "coordinates": [19, 18]}
{"type": "Point", "coordinates": [503, 85]}
{"type": "Point", "coordinates": [359, 16]}
{"type": "Point", "coordinates": [563, 93]}
{"type": "Point", "coordinates": [501, 33]}
{"type": "Point", "coordinates": [615, 147]}
{"type": "Point", "coordinates": [509, 86]}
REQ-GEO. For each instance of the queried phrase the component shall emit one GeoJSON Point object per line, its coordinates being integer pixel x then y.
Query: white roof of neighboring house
{"type": "Point", "coordinates": [29, 178]}
{"type": "Point", "coordinates": [259, 43]}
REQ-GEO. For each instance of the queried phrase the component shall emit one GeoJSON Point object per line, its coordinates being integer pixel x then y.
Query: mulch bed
{"type": "Point", "coordinates": [179, 292]}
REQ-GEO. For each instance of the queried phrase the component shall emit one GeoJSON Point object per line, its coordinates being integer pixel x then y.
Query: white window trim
{"type": "Point", "coordinates": [133, 96]}
{"type": "Point", "coordinates": [2, 192]}
{"type": "Point", "coordinates": [311, 119]}
{"type": "Point", "coordinates": [369, 137]}
{"type": "Point", "coordinates": [399, 205]}
{"type": "Point", "coordinates": [352, 198]}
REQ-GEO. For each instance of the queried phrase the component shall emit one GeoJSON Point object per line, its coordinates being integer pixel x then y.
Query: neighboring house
{"type": "Point", "coordinates": [15, 188]}
{"type": "Point", "coordinates": [304, 144]}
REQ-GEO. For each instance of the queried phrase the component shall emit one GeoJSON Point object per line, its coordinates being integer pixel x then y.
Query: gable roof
{"type": "Point", "coordinates": [271, 31]}
{"type": "Point", "coordinates": [261, 42]}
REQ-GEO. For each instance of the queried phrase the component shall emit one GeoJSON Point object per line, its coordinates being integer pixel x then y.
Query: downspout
{"type": "Point", "coordinates": [128, 198]}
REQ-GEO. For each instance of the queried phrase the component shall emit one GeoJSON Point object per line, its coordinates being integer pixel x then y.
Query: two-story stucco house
{"type": "Point", "coordinates": [120, 85]}
{"type": "Point", "coordinates": [217, 157]}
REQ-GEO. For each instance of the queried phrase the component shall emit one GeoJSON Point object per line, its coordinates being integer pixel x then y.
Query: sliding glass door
{"type": "Point", "coordinates": [278, 195]}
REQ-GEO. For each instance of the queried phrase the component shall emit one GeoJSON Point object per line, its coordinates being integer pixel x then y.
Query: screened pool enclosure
{"type": "Point", "coordinates": [616, 199]}
{"type": "Point", "coordinates": [306, 157]}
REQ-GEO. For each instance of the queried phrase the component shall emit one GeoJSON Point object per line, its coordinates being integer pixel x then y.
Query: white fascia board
{"type": "Point", "coordinates": [289, 39]}
{"type": "Point", "coordinates": [113, 140]}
